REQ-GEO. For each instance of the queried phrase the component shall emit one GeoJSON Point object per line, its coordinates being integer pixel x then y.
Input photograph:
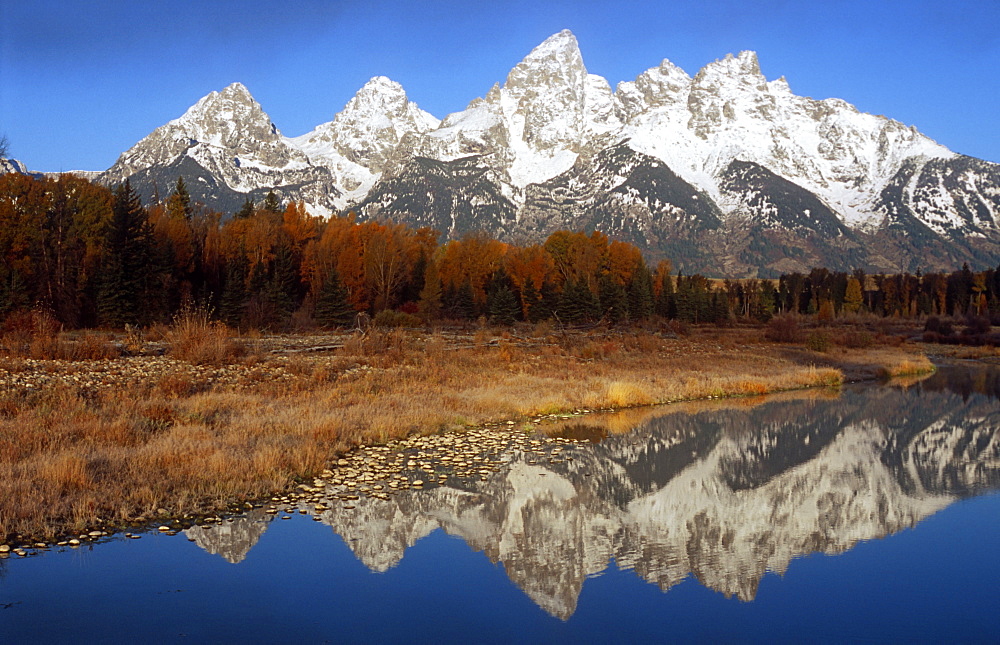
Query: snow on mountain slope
{"type": "Point", "coordinates": [358, 144]}
{"type": "Point", "coordinates": [536, 125]}
{"type": "Point", "coordinates": [729, 111]}
{"type": "Point", "coordinates": [234, 147]}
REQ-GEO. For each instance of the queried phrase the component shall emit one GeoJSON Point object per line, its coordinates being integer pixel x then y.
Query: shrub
{"type": "Point", "coordinates": [31, 334]}
{"type": "Point", "coordinates": [388, 318]}
{"type": "Point", "coordinates": [818, 342]}
{"type": "Point", "coordinates": [783, 329]}
{"type": "Point", "coordinates": [92, 347]}
{"type": "Point", "coordinates": [976, 325]}
{"type": "Point", "coordinates": [195, 338]}
{"type": "Point", "coordinates": [857, 340]}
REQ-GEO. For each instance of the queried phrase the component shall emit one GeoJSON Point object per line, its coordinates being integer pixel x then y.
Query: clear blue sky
{"type": "Point", "coordinates": [80, 82]}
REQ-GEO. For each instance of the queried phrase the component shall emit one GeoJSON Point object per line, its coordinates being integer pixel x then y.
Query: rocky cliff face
{"type": "Point", "coordinates": [725, 495]}
{"type": "Point", "coordinates": [554, 146]}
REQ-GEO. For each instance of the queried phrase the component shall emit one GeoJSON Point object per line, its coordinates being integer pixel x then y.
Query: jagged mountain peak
{"type": "Point", "coordinates": [381, 104]}
{"type": "Point", "coordinates": [361, 139]}
{"type": "Point", "coordinates": [226, 119]}
{"type": "Point", "coordinates": [557, 61]}
{"type": "Point", "coordinates": [379, 93]}
{"type": "Point", "coordinates": [659, 86]}
{"type": "Point", "coordinates": [560, 46]}
{"type": "Point", "coordinates": [744, 66]}
{"type": "Point", "coordinates": [236, 90]}
{"type": "Point", "coordinates": [210, 105]}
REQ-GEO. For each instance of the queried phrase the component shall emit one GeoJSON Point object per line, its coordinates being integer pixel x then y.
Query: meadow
{"type": "Point", "coordinates": [107, 430]}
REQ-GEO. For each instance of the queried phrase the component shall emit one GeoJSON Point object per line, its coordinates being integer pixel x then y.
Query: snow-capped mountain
{"type": "Point", "coordinates": [226, 148]}
{"type": "Point", "coordinates": [12, 165]}
{"type": "Point", "coordinates": [360, 142]}
{"type": "Point", "coordinates": [721, 170]}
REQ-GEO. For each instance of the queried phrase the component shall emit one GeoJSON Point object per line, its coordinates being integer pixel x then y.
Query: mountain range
{"type": "Point", "coordinates": [724, 173]}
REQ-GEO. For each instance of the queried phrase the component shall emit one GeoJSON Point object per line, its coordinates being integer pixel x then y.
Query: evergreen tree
{"type": "Point", "coordinates": [332, 306]}
{"type": "Point", "coordinates": [246, 210]}
{"type": "Point", "coordinates": [128, 262]}
{"type": "Point", "coordinates": [502, 306]}
{"type": "Point", "coordinates": [272, 203]}
{"type": "Point", "coordinates": [448, 296]}
{"type": "Point", "coordinates": [283, 287]}
{"type": "Point", "coordinates": [13, 291]}
{"type": "Point", "coordinates": [179, 202]}
{"type": "Point", "coordinates": [548, 302]}
{"type": "Point", "coordinates": [718, 311]}
{"type": "Point", "coordinates": [529, 300]}
{"type": "Point", "coordinates": [501, 302]}
{"type": "Point", "coordinates": [465, 302]}
{"type": "Point", "coordinates": [613, 300]}
{"type": "Point", "coordinates": [685, 305]}
{"type": "Point", "coordinates": [410, 291]}
{"type": "Point", "coordinates": [665, 303]}
{"type": "Point", "coordinates": [767, 302]}
{"type": "Point", "coordinates": [259, 310]}
{"type": "Point", "coordinates": [578, 303]}
{"type": "Point", "coordinates": [234, 294]}
{"type": "Point", "coordinates": [640, 294]}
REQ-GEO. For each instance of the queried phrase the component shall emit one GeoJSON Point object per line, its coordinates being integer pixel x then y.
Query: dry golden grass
{"type": "Point", "coordinates": [906, 366]}
{"type": "Point", "coordinates": [37, 335]}
{"type": "Point", "coordinates": [196, 338]}
{"type": "Point", "coordinates": [72, 458]}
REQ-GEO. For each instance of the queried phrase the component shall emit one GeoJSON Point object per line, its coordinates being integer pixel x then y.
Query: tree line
{"type": "Point", "coordinates": [93, 256]}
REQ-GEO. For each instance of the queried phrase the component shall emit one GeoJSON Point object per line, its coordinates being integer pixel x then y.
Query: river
{"type": "Point", "coordinates": [867, 513]}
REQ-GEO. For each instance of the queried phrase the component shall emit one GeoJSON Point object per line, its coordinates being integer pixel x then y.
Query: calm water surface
{"type": "Point", "coordinates": [868, 515]}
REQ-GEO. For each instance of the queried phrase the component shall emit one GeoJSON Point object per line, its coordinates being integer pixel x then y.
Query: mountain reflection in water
{"type": "Point", "coordinates": [725, 494]}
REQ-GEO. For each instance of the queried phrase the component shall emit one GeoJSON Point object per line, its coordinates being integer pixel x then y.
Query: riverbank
{"type": "Point", "coordinates": [95, 444]}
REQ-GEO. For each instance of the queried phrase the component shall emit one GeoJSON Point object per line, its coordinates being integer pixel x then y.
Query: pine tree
{"type": "Point", "coordinates": [502, 306]}
{"type": "Point", "coordinates": [128, 262]}
{"type": "Point", "coordinates": [465, 302]}
{"type": "Point", "coordinates": [234, 294]}
{"type": "Point", "coordinates": [246, 210]}
{"type": "Point", "coordinates": [13, 291]}
{"type": "Point", "coordinates": [501, 303]}
{"type": "Point", "coordinates": [719, 308]}
{"type": "Point", "coordinates": [640, 294]}
{"type": "Point", "coordinates": [179, 202]}
{"type": "Point", "coordinates": [577, 303]}
{"type": "Point", "coordinates": [665, 303]}
{"type": "Point", "coordinates": [272, 203]}
{"type": "Point", "coordinates": [548, 303]}
{"type": "Point", "coordinates": [613, 300]}
{"type": "Point", "coordinates": [768, 298]}
{"type": "Point", "coordinates": [332, 306]}
{"type": "Point", "coordinates": [283, 287]}
{"type": "Point", "coordinates": [529, 300]}
{"type": "Point", "coordinates": [684, 300]}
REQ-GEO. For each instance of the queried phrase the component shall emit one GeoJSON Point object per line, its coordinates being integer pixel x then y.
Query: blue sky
{"type": "Point", "coordinates": [80, 82]}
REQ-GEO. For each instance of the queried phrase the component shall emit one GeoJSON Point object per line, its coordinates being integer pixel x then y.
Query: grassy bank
{"type": "Point", "coordinates": [218, 419]}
